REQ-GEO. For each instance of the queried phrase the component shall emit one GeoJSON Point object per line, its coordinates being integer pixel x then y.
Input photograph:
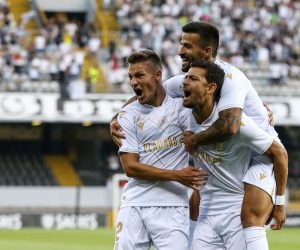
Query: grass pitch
{"type": "Point", "coordinates": [102, 239]}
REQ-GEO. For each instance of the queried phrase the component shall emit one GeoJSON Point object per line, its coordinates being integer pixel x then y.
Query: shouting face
{"type": "Point", "coordinates": [196, 88]}
{"type": "Point", "coordinates": [144, 78]}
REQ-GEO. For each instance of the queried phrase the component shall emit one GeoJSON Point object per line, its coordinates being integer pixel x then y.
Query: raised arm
{"type": "Point", "coordinates": [189, 176]}
{"type": "Point", "coordinates": [279, 157]}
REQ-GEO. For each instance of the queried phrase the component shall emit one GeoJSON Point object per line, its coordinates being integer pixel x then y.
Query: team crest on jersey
{"type": "Point", "coordinates": [262, 176]}
{"type": "Point", "coordinates": [141, 125]}
{"type": "Point", "coordinates": [229, 76]}
{"type": "Point", "coordinates": [242, 124]}
{"type": "Point", "coordinates": [121, 114]}
{"type": "Point", "coordinates": [219, 146]}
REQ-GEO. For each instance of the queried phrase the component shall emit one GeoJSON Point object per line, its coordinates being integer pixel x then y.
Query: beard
{"type": "Point", "coordinates": [185, 67]}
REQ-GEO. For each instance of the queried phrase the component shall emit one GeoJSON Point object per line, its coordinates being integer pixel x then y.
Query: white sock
{"type": "Point", "coordinates": [256, 238]}
{"type": "Point", "coordinates": [193, 224]}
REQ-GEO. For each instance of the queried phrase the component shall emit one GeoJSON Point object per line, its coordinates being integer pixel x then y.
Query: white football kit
{"type": "Point", "coordinates": [219, 225]}
{"type": "Point", "coordinates": [154, 212]}
{"type": "Point", "coordinates": [237, 92]}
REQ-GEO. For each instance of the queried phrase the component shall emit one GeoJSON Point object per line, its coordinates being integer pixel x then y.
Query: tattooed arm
{"type": "Point", "coordinates": [226, 125]}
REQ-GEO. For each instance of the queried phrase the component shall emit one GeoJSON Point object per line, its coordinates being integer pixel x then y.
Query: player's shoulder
{"type": "Point", "coordinates": [231, 71]}
{"type": "Point", "coordinates": [174, 101]}
{"type": "Point", "coordinates": [129, 110]}
{"type": "Point", "coordinates": [175, 79]}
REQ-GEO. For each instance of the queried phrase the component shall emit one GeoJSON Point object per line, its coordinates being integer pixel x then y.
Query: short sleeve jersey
{"type": "Point", "coordinates": [237, 92]}
{"type": "Point", "coordinates": [227, 163]}
{"type": "Point", "coordinates": [155, 134]}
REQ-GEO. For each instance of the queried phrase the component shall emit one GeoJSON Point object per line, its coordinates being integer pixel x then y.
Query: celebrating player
{"type": "Point", "coordinates": [200, 40]}
{"type": "Point", "coordinates": [219, 225]}
{"type": "Point", "coordinates": [154, 203]}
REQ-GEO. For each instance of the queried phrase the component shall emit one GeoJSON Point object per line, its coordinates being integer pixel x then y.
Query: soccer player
{"type": "Point", "coordinates": [219, 225]}
{"type": "Point", "coordinates": [200, 40]}
{"type": "Point", "coordinates": [154, 204]}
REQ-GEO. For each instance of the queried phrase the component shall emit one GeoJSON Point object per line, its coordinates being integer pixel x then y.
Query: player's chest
{"type": "Point", "coordinates": [155, 125]}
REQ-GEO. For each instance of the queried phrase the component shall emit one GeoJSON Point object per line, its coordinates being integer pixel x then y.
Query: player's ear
{"type": "Point", "coordinates": [208, 53]}
{"type": "Point", "coordinates": [212, 88]}
{"type": "Point", "coordinates": [158, 75]}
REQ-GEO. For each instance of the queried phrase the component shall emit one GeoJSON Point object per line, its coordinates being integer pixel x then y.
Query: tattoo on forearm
{"type": "Point", "coordinates": [232, 121]}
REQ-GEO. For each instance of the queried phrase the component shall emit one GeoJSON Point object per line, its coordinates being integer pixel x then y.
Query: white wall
{"type": "Point", "coordinates": [52, 197]}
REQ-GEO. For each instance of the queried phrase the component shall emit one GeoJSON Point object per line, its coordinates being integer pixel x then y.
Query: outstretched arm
{"type": "Point", "coordinates": [280, 161]}
{"type": "Point", "coordinates": [189, 176]}
{"type": "Point", "coordinates": [226, 125]}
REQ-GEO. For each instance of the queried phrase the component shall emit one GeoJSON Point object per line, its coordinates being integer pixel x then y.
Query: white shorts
{"type": "Point", "coordinates": [219, 232]}
{"type": "Point", "coordinates": [261, 174]}
{"type": "Point", "coordinates": [163, 228]}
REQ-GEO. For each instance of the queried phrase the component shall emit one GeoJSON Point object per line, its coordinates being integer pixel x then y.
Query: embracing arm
{"type": "Point", "coordinates": [115, 128]}
{"type": "Point", "coordinates": [189, 176]}
{"type": "Point", "coordinates": [280, 162]}
{"type": "Point", "coordinates": [226, 125]}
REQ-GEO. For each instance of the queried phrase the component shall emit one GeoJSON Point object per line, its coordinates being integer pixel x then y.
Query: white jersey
{"type": "Point", "coordinates": [155, 133]}
{"type": "Point", "coordinates": [227, 163]}
{"type": "Point", "coordinates": [237, 92]}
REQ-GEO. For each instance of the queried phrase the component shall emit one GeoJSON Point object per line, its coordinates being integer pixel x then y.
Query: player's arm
{"type": "Point", "coordinates": [194, 203]}
{"type": "Point", "coordinates": [189, 176]}
{"type": "Point", "coordinates": [115, 128]}
{"type": "Point", "coordinates": [279, 157]}
{"type": "Point", "coordinates": [226, 125]}
{"type": "Point", "coordinates": [262, 143]}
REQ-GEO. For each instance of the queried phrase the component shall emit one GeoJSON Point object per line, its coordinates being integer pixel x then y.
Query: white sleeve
{"type": "Point", "coordinates": [253, 136]}
{"type": "Point", "coordinates": [130, 144]}
{"type": "Point", "coordinates": [173, 86]}
{"type": "Point", "coordinates": [234, 91]}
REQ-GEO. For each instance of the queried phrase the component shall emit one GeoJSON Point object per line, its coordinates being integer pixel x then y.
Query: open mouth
{"type": "Point", "coordinates": [186, 93]}
{"type": "Point", "coordinates": [184, 59]}
{"type": "Point", "coordinates": [138, 92]}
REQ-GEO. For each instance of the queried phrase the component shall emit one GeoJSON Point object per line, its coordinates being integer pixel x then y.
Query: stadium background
{"type": "Point", "coordinates": [62, 77]}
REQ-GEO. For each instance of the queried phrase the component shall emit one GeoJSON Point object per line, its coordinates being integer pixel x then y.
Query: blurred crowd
{"type": "Point", "coordinates": [263, 33]}
{"type": "Point", "coordinates": [54, 53]}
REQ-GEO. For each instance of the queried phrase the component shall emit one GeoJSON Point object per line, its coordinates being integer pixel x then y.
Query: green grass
{"type": "Point", "coordinates": [102, 239]}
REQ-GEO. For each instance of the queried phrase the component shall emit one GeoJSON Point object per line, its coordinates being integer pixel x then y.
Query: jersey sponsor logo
{"type": "Point", "coordinates": [205, 157]}
{"type": "Point", "coordinates": [164, 143]}
{"type": "Point", "coordinates": [262, 176]}
{"type": "Point", "coordinates": [229, 75]}
{"type": "Point", "coordinates": [141, 125]}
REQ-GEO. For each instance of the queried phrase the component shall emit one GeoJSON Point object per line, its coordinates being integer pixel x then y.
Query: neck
{"type": "Point", "coordinates": [160, 96]}
{"type": "Point", "coordinates": [202, 112]}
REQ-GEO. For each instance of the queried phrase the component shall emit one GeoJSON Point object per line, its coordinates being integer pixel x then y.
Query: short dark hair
{"type": "Point", "coordinates": [143, 56]}
{"type": "Point", "coordinates": [214, 74]}
{"type": "Point", "coordinates": [209, 34]}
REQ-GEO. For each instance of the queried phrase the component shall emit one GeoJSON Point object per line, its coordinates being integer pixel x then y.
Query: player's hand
{"type": "Point", "coordinates": [192, 177]}
{"type": "Point", "coordinates": [279, 215]}
{"type": "Point", "coordinates": [270, 114]}
{"type": "Point", "coordinates": [116, 132]}
{"type": "Point", "coordinates": [189, 141]}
